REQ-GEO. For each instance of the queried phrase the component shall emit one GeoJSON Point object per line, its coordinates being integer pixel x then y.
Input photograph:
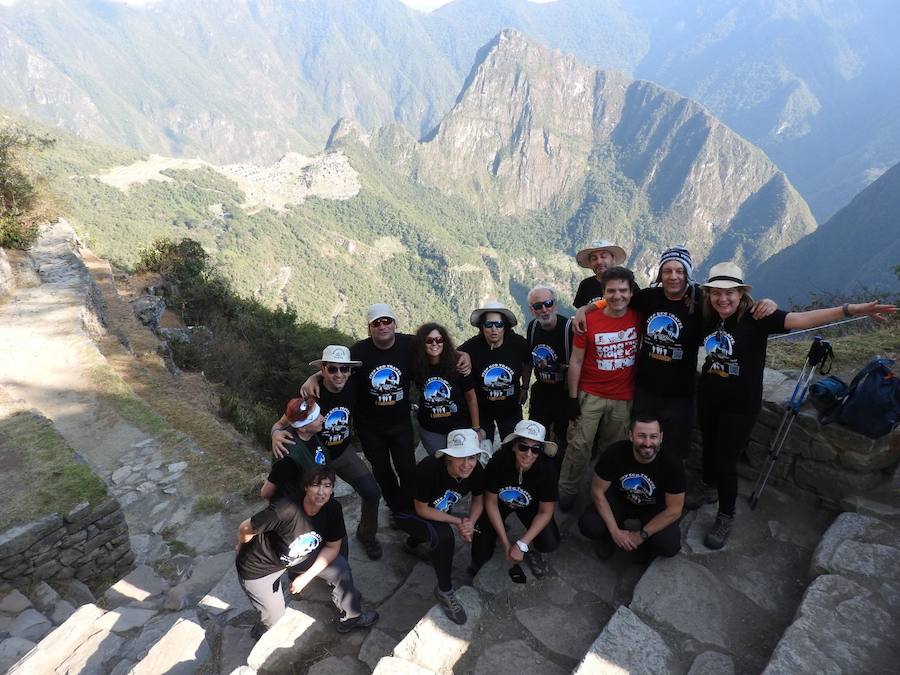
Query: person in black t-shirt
{"type": "Point", "coordinates": [446, 399]}
{"type": "Point", "coordinates": [635, 481]}
{"type": "Point", "coordinates": [520, 478]}
{"type": "Point", "coordinates": [296, 447]}
{"type": "Point", "coordinates": [549, 338]}
{"type": "Point", "coordinates": [501, 367]}
{"type": "Point", "coordinates": [598, 256]}
{"type": "Point", "coordinates": [441, 482]}
{"type": "Point", "coordinates": [305, 539]}
{"type": "Point", "coordinates": [729, 395]}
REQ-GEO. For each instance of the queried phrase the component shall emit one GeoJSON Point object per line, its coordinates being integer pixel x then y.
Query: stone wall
{"type": "Point", "coordinates": [90, 544]}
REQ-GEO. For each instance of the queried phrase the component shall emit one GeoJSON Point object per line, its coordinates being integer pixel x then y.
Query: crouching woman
{"type": "Point", "coordinates": [306, 538]}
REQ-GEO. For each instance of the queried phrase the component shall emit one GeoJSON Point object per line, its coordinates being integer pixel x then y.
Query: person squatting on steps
{"type": "Point", "coordinates": [442, 480]}
{"type": "Point", "coordinates": [520, 478]}
{"type": "Point", "coordinates": [306, 537]}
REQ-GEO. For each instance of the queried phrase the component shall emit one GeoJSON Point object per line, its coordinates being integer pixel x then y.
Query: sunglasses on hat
{"type": "Point", "coordinates": [383, 321]}
{"type": "Point", "coordinates": [493, 324]}
{"type": "Point", "coordinates": [333, 369]}
{"type": "Point", "coordinates": [545, 303]}
{"type": "Point", "coordinates": [533, 449]}
{"type": "Point", "coordinates": [434, 340]}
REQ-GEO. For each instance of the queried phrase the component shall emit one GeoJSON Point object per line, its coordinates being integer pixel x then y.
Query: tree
{"type": "Point", "coordinates": [18, 194]}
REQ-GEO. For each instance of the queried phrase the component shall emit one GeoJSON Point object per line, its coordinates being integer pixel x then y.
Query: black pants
{"type": "Point", "coordinates": [485, 540]}
{"type": "Point", "coordinates": [676, 417]}
{"type": "Point", "coordinates": [440, 539]}
{"type": "Point", "coordinates": [354, 471]}
{"type": "Point", "coordinates": [548, 406]}
{"type": "Point", "coordinates": [383, 445]}
{"type": "Point", "coordinates": [725, 436]}
{"type": "Point", "coordinates": [505, 417]}
{"type": "Point", "coordinates": [666, 542]}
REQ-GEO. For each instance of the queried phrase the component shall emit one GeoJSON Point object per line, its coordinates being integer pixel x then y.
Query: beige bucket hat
{"type": "Point", "coordinates": [617, 252]}
{"type": "Point", "coordinates": [726, 275]}
{"type": "Point", "coordinates": [534, 431]}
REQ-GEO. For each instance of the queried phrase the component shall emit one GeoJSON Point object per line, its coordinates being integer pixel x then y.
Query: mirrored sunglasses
{"type": "Point", "coordinates": [434, 341]}
{"type": "Point", "coordinates": [333, 369]}
{"type": "Point", "coordinates": [534, 449]}
{"type": "Point", "coordinates": [546, 303]}
{"type": "Point", "coordinates": [493, 324]}
{"type": "Point", "coordinates": [383, 321]}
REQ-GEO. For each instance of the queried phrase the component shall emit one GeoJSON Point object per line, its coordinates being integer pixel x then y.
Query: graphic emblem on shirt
{"type": "Point", "coordinates": [319, 456]}
{"type": "Point", "coordinates": [437, 398]}
{"type": "Point", "coordinates": [720, 354]}
{"type": "Point", "coordinates": [385, 385]}
{"type": "Point", "coordinates": [514, 497]}
{"type": "Point", "coordinates": [301, 547]}
{"type": "Point", "coordinates": [638, 488]}
{"type": "Point", "coordinates": [616, 350]}
{"type": "Point", "coordinates": [546, 363]}
{"type": "Point", "coordinates": [336, 429]}
{"type": "Point", "coordinates": [497, 382]}
{"type": "Point", "coordinates": [446, 502]}
{"type": "Point", "coordinates": [661, 339]}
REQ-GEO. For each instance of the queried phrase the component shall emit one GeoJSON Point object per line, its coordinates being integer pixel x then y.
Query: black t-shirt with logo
{"type": "Point", "coordinates": [517, 490]}
{"type": "Point", "coordinates": [641, 486]}
{"type": "Point", "coordinates": [288, 471]}
{"type": "Point", "coordinates": [589, 290]}
{"type": "Point", "coordinates": [497, 372]}
{"type": "Point", "coordinates": [384, 377]}
{"type": "Point", "coordinates": [442, 402]}
{"type": "Point", "coordinates": [437, 488]}
{"type": "Point", "coordinates": [287, 537]}
{"type": "Point", "coordinates": [337, 409]}
{"type": "Point", "coordinates": [550, 350]}
{"type": "Point", "coordinates": [736, 357]}
{"type": "Point", "coordinates": [667, 360]}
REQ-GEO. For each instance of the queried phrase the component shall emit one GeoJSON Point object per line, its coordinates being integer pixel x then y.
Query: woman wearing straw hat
{"type": "Point", "coordinates": [729, 396]}
{"type": "Point", "coordinates": [441, 482]}
{"type": "Point", "coordinates": [520, 478]}
{"type": "Point", "coordinates": [501, 367]}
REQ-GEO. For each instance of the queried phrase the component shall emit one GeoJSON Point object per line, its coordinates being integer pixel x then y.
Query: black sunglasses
{"type": "Point", "coordinates": [546, 303]}
{"type": "Point", "coordinates": [333, 369]}
{"type": "Point", "coordinates": [383, 321]}
{"type": "Point", "coordinates": [493, 324]}
{"type": "Point", "coordinates": [534, 449]}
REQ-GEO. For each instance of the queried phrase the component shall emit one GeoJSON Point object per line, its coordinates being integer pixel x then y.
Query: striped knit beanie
{"type": "Point", "coordinates": [679, 254]}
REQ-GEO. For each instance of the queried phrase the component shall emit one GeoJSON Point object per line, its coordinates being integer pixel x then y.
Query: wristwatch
{"type": "Point", "coordinates": [522, 546]}
{"type": "Point", "coordinates": [644, 534]}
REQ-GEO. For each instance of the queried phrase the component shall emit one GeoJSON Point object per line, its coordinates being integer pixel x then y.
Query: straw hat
{"type": "Point", "coordinates": [617, 252]}
{"type": "Point", "coordinates": [726, 275]}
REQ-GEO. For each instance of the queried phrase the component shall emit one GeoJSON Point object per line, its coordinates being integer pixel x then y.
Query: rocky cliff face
{"type": "Point", "coordinates": [533, 129]}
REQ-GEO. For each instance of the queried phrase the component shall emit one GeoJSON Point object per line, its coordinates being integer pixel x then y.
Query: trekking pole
{"type": "Point", "coordinates": [821, 355]}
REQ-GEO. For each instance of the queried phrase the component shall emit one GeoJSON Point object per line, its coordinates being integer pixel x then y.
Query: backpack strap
{"type": "Point", "coordinates": [875, 364]}
{"type": "Point", "coordinates": [567, 341]}
{"type": "Point", "coordinates": [530, 332]}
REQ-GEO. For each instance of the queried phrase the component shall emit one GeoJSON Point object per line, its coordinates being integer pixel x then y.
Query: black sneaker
{"type": "Point", "coordinates": [371, 546]}
{"type": "Point", "coordinates": [364, 620]}
{"type": "Point", "coordinates": [718, 534]}
{"type": "Point", "coordinates": [604, 548]}
{"type": "Point", "coordinates": [537, 563]}
{"type": "Point", "coordinates": [451, 605]}
{"type": "Point", "coordinates": [700, 495]}
{"type": "Point", "coordinates": [258, 630]}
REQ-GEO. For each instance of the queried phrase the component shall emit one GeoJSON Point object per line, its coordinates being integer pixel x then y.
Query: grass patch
{"type": "Point", "coordinates": [114, 392]}
{"type": "Point", "coordinates": [39, 473]}
{"type": "Point", "coordinates": [206, 504]}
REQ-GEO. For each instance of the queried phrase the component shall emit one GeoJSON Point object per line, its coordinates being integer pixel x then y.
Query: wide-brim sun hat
{"type": "Point", "coordinates": [379, 310]}
{"type": "Point", "coordinates": [726, 275]}
{"type": "Point", "coordinates": [302, 411]}
{"type": "Point", "coordinates": [493, 306]}
{"type": "Point", "coordinates": [335, 354]}
{"type": "Point", "coordinates": [617, 252]}
{"type": "Point", "coordinates": [461, 443]}
{"type": "Point", "coordinates": [534, 431]}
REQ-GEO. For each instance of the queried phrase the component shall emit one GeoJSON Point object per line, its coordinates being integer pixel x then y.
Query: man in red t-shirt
{"type": "Point", "coordinates": [600, 380]}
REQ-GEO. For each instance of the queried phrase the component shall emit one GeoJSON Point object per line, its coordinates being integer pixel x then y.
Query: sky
{"type": "Point", "coordinates": [428, 5]}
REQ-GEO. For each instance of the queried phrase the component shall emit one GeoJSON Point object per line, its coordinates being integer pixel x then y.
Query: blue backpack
{"type": "Point", "coordinates": [827, 395]}
{"type": "Point", "coordinates": [872, 406]}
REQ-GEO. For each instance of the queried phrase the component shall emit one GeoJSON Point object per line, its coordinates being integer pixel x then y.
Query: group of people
{"type": "Point", "coordinates": [618, 381]}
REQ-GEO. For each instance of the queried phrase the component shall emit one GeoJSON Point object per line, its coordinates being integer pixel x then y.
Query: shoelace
{"type": "Point", "coordinates": [452, 601]}
{"type": "Point", "coordinates": [720, 527]}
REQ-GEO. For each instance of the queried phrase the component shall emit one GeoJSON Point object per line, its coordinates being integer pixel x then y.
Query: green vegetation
{"type": "Point", "coordinates": [115, 393]}
{"type": "Point", "coordinates": [40, 474]}
{"type": "Point", "coordinates": [20, 204]}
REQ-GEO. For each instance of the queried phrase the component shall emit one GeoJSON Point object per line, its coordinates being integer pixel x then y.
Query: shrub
{"type": "Point", "coordinates": [19, 199]}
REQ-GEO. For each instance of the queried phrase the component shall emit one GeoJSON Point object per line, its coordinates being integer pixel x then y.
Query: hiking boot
{"type": "Point", "coordinates": [364, 620]}
{"type": "Point", "coordinates": [700, 495]}
{"type": "Point", "coordinates": [258, 630]}
{"type": "Point", "coordinates": [566, 502]}
{"type": "Point", "coordinates": [414, 548]}
{"type": "Point", "coordinates": [451, 605]}
{"type": "Point", "coordinates": [537, 563]}
{"type": "Point", "coordinates": [371, 546]}
{"type": "Point", "coordinates": [718, 534]}
{"type": "Point", "coordinates": [604, 548]}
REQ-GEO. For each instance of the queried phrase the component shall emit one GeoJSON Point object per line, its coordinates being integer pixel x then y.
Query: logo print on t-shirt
{"type": "Point", "coordinates": [337, 426]}
{"type": "Point", "coordinates": [446, 502]}
{"type": "Point", "coordinates": [301, 547]}
{"type": "Point", "coordinates": [437, 398]}
{"type": "Point", "coordinates": [719, 354]}
{"type": "Point", "coordinates": [385, 385]}
{"type": "Point", "coordinates": [616, 350]}
{"type": "Point", "coordinates": [514, 497]}
{"type": "Point", "coordinates": [663, 330]}
{"type": "Point", "coordinates": [546, 363]}
{"type": "Point", "coordinates": [497, 381]}
{"type": "Point", "coordinates": [638, 488]}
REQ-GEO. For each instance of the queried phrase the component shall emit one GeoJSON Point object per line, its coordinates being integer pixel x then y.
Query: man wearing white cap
{"type": "Point", "coordinates": [598, 256]}
{"type": "Point", "coordinates": [336, 401]}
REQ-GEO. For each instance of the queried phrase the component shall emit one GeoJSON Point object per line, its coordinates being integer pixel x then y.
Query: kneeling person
{"type": "Point", "coordinates": [633, 480]}
{"type": "Point", "coordinates": [520, 478]}
{"type": "Point", "coordinates": [305, 538]}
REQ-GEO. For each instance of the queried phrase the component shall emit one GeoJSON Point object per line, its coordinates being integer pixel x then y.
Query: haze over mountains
{"type": "Point", "coordinates": [811, 83]}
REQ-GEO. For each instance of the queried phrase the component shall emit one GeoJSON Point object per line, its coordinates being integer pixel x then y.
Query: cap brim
{"type": "Point", "coordinates": [726, 284]}
{"type": "Point", "coordinates": [550, 447]}
{"type": "Point", "coordinates": [458, 453]}
{"type": "Point", "coordinates": [319, 362]}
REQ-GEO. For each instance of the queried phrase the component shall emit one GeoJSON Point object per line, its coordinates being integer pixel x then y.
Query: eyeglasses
{"type": "Point", "coordinates": [383, 321]}
{"type": "Point", "coordinates": [546, 303]}
{"type": "Point", "coordinates": [493, 324]}
{"type": "Point", "coordinates": [533, 449]}
{"type": "Point", "coordinates": [333, 369]}
{"type": "Point", "coordinates": [434, 340]}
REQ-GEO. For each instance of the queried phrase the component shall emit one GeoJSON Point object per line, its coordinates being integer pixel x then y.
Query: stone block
{"type": "Point", "coordinates": [830, 481]}
{"type": "Point", "coordinates": [22, 537]}
{"type": "Point", "coordinates": [333, 665]}
{"type": "Point", "coordinates": [226, 598]}
{"type": "Point", "coordinates": [437, 643]}
{"type": "Point", "coordinates": [284, 643]}
{"type": "Point", "coordinates": [60, 643]}
{"type": "Point", "coordinates": [30, 625]}
{"type": "Point", "coordinates": [124, 619]}
{"type": "Point", "coordinates": [884, 458]}
{"type": "Point", "coordinates": [143, 582]}
{"type": "Point", "coordinates": [182, 650]}
{"type": "Point", "coordinates": [75, 537]}
{"type": "Point", "coordinates": [627, 645]}
{"type": "Point", "coordinates": [561, 630]}
{"type": "Point", "coordinates": [61, 612]}
{"type": "Point", "coordinates": [152, 632]}
{"type": "Point", "coordinates": [757, 455]}
{"type": "Point", "coordinates": [514, 657]}
{"type": "Point", "coordinates": [866, 560]}
{"type": "Point", "coordinates": [92, 655]}
{"type": "Point", "coordinates": [207, 571]}
{"type": "Point", "coordinates": [712, 663]}
{"type": "Point", "coordinates": [235, 645]}
{"type": "Point", "coordinates": [14, 602]}
{"type": "Point", "coordinates": [47, 571]}
{"type": "Point", "coordinates": [886, 508]}
{"type": "Point", "coordinates": [847, 527]}
{"type": "Point", "coordinates": [78, 593]}
{"type": "Point", "coordinates": [407, 605]}
{"type": "Point", "coordinates": [45, 598]}
{"type": "Point", "coordinates": [11, 650]}
{"type": "Point", "coordinates": [375, 646]}
{"type": "Point", "coordinates": [394, 666]}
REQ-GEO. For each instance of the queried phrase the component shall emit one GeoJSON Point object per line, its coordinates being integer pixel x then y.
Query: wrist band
{"type": "Point", "coordinates": [846, 309]}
